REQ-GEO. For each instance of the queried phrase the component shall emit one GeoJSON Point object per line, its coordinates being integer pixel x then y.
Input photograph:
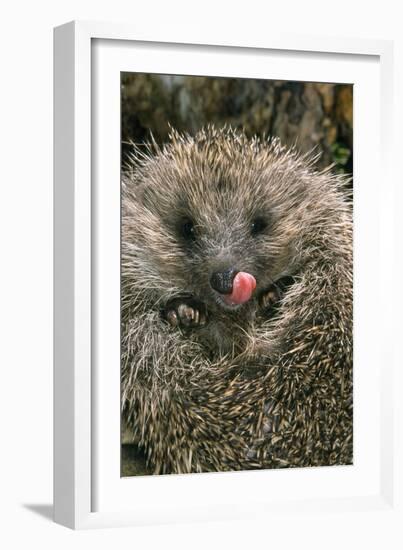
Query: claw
{"type": "Point", "coordinates": [274, 294]}
{"type": "Point", "coordinates": [270, 298]}
{"type": "Point", "coordinates": [172, 318]}
{"type": "Point", "coordinates": [188, 315]}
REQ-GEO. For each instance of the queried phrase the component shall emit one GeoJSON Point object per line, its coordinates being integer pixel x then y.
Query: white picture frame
{"type": "Point", "coordinates": [88, 491]}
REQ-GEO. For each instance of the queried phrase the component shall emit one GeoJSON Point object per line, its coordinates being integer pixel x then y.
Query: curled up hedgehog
{"type": "Point", "coordinates": [236, 306]}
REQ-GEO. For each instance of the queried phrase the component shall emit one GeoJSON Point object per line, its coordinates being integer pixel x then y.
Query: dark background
{"type": "Point", "coordinates": [308, 114]}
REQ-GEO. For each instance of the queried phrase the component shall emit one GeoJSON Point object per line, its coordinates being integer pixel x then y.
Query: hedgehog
{"type": "Point", "coordinates": [236, 305]}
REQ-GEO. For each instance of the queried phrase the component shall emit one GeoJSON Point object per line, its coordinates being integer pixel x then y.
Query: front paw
{"type": "Point", "coordinates": [270, 299]}
{"type": "Point", "coordinates": [185, 312]}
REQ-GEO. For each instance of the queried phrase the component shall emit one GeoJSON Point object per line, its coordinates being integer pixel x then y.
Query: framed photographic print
{"type": "Point", "coordinates": [222, 219]}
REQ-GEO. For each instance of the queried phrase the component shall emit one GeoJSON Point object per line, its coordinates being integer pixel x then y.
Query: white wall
{"type": "Point", "coordinates": [26, 254]}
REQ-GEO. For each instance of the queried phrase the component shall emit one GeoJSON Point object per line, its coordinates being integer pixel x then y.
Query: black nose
{"type": "Point", "coordinates": [222, 281]}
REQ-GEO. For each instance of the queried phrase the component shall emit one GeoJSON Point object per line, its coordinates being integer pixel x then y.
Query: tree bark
{"type": "Point", "coordinates": [309, 115]}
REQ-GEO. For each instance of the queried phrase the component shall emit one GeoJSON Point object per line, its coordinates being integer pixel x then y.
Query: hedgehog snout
{"type": "Point", "coordinates": [222, 281]}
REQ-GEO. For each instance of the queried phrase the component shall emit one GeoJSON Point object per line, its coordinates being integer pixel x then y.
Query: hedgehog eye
{"type": "Point", "coordinates": [188, 230]}
{"type": "Point", "coordinates": [258, 226]}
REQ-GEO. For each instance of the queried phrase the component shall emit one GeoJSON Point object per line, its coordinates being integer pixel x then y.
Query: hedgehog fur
{"type": "Point", "coordinates": [252, 386]}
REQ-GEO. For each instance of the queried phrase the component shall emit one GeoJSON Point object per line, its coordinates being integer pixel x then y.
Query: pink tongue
{"type": "Point", "coordinates": [243, 286]}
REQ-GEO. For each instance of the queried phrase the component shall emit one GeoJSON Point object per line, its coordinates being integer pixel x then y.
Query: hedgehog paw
{"type": "Point", "coordinates": [271, 297]}
{"type": "Point", "coordinates": [188, 314]}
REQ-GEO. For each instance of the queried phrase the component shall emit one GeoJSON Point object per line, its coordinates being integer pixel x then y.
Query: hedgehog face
{"type": "Point", "coordinates": [213, 237]}
{"type": "Point", "coordinates": [221, 218]}
{"type": "Point", "coordinates": [225, 250]}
